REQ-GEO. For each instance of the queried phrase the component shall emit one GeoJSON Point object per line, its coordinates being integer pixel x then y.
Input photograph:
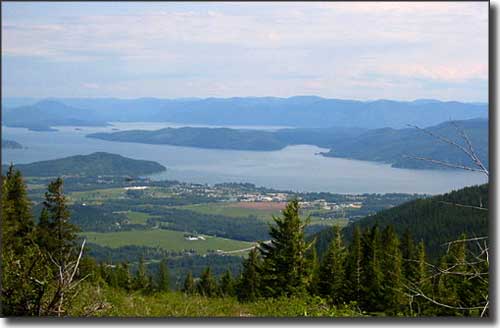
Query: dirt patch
{"type": "Point", "coordinates": [277, 206]}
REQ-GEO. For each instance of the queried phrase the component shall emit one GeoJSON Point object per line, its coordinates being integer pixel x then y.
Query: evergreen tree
{"type": "Point", "coordinates": [226, 286]}
{"type": "Point", "coordinates": [188, 286]}
{"type": "Point", "coordinates": [24, 271]}
{"type": "Point", "coordinates": [285, 266]}
{"type": "Point", "coordinates": [373, 276]}
{"type": "Point", "coordinates": [314, 288]}
{"type": "Point", "coordinates": [248, 286]}
{"type": "Point", "coordinates": [354, 268]}
{"type": "Point", "coordinates": [409, 255]}
{"type": "Point", "coordinates": [141, 280]}
{"type": "Point", "coordinates": [17, 222]}
{"type": "Point", "coordinates": [163, 277]}
{"type": "Point", "coordinates": [332, 273]}
{"type": "Point", "coordinates": [391, 267]}
{"type": "Point", "coordinates": [57, 234]}
{"type": "Point", "coordinates": [124, 280]}
{"type": "Point", "coordinates": [207, 286]}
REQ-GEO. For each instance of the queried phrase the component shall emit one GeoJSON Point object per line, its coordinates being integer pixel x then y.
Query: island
{"type": "Point", "coordinates": [95, 164]}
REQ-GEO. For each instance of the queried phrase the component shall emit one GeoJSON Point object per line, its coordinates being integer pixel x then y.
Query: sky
{"type": "Point", "coordinates": [349, 50]}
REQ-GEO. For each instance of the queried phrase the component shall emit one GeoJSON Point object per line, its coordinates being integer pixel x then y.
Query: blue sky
{"type": "Point", "coordinates": [404, 50]}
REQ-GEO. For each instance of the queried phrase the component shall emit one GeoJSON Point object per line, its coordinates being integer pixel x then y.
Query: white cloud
{"type": "Point", "coordinates": [336, 42]}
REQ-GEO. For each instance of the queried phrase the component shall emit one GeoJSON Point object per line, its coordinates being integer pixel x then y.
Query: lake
{"type": "Point", "coordinates": [296, 168]}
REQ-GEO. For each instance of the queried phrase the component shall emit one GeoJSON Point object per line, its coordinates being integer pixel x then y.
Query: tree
{"type": "Point", "coordinates": [248, 286]}
{"type": "Point", "coordinates": [354, 269]}
{"type": "Point", "coordinates": [188, 286]}
{"type": "Point", "coordinates": [226, 286]}
{"type": "Point", "coordinates": [207, 286]}
{"type": "Point", "coordinates": [25, 274]}
{"type": "Point", "coordinates": [409, 255]}
{"type": "Point", "coordinates": [285, 266]}
{"type": "Point", "coordinates": [17, 222]}
{"type": "Point", "coordinates": [373, 276]}
{"type": "Point", "coordinates": [163, 277]}
{"type": "Point", "coordinates": [332, 273]}
{"type": "Point", "coordinates": [141, 276]}
{"type": "Point", "coordinates": [57, 234]}
{"type": "Point", "coordinates": [391, 266]}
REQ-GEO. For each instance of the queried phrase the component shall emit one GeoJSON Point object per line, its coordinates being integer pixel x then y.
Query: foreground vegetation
{"type": "Point", "coordinates": [46, 273]}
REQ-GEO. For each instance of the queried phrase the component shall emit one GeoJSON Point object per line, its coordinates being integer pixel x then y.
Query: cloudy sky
{"type": "Point", "coordinates": [404, 50]}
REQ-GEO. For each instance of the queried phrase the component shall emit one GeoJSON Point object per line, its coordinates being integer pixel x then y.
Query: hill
{"type": "Point", "coordinates": [10, 144]}
{"type": "Point", "coordinates": [219, 138]}
{"type": "Point", "coordinates": [383, 145]}
{"type": "Point", "coordinates": [90, 165]}
{"type": "Point", "coordinates": [44, 114]}
{"type": "Point", "coordinates": [299, 111]}
{"type": "Point", "coordinates": [390, 146]}
{"type": "Point", "coordinates": [433, 220]}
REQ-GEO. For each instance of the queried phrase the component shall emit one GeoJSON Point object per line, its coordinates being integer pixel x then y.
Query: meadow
{"type": "Point", "coordinates": [166, 239]}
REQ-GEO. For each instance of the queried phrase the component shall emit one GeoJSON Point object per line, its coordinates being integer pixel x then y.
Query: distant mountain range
{"type": "Point", "coordinates": [45, 114]}
{"type": "Point", "coordinates": [383, 145]}
{"type": "Point", "coordinates": [89, 165]}
{"type": "Point", "coordinates": [300, 112]}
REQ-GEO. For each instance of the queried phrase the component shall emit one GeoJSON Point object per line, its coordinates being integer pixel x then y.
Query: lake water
{"type": "Point", "coordinates": [296, 168]}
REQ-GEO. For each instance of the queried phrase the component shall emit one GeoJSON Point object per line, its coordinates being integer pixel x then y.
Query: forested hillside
{"type": "Point", "coordinates": [435, 220]}
{"type": "Point", "coordinates": [90, 165]}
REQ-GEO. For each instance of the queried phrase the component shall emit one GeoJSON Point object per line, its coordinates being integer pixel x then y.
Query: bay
{"type": "Point", "coordinates": [296, 168]}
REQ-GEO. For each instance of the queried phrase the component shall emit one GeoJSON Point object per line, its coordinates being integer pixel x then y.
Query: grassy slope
{"type": "Point", "coordinates": [176, 304]}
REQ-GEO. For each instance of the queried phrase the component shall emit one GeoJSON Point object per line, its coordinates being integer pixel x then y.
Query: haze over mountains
{"type": "Point", "coordinates": [300, 111]}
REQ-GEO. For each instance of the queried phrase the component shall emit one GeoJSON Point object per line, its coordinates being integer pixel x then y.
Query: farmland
{"type": "Point", "coordinates": [165, 239]}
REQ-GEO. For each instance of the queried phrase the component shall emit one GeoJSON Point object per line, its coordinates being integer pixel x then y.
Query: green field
{"type": "Point", "coordinates": [228, 209]}
{"type": "Point", "coordinates": [166, 239]}
{"type": "Point", "coordinates": [137, 217]}
{"type": "Point", "coordinates": [96, 196]}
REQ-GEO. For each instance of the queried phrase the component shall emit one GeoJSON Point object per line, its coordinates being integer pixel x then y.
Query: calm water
{"type": "Point", "coordinates": [293, 168]}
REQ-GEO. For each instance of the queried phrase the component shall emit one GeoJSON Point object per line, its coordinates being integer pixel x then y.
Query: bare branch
{"type": "Point", "coordinates": [467, 206]}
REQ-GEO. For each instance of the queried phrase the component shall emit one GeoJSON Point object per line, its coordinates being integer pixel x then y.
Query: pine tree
{"type": "Point", "coordinates": [332, 273]}
{"type": "Point", "coordinates": [372, 271]}
{"type": "Point", "coordinates": [354, 268]}
{"type": "Point", "coordinates": [24, 271]}
{"type": "Point", "coordinates": [314, 288]}
{"type": "Point", "coordinates": [285, 266]}
{"type": "Point", "coordinates": [188, 286]}
{"type": "Point", "coordinates": [391, 267]}
{"type": "Point", "coordinates": [141, 277]}
{"type": "Point", "coordinates": [163, 277]}
{"type": "Point", "coordinates": [207, 286]}
{"type": "Point", "coordinates": [17, 222]}
{"type": "Point", "coordinates": [58, 233]}
{"type": "Point", "coordinates": [226, 286]}
{"type": "Point", "coordinates": [248, 286]}
{"type": "Point", "coordinates": [409, 255]}
{"type": "Point", "coordinates": [124, 280]}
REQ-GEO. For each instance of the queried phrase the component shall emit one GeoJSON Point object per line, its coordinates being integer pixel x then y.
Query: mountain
{"type": "Point", "coordinates": [383, 145]}
{"type": "Point", "coordinates": [434, 220]}
{"type": "Point", "coordinates": [390, 145]}
{"type": "Point", "coordinates": [299, 111]}
{"type": "Point", "coordinates": [46, 113]}
{"type": "Point", "coordinates": [10, 144]}
{"type": "Point", "coordinates": [90, 165]}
